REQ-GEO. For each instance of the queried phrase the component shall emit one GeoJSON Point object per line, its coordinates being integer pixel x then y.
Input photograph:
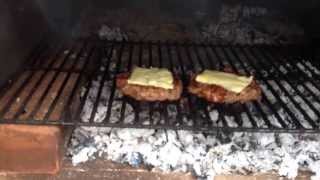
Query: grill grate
{"type": "Point", "coordinates": [73, 84]}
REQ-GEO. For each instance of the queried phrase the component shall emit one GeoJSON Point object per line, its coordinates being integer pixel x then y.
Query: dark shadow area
{"type": "Point", "coordinates": [22, 26]}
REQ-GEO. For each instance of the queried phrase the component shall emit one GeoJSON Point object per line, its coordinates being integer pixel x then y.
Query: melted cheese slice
{"type": "Point", "coordinates": [229, 81]}
{"type": "Point", "coordinates": [156, 77]}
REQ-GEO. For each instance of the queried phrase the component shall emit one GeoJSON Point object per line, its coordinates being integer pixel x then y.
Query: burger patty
{"type": "Point", "coordinates": [148, 93]}
{"type": "Point", "coordinates": [218, 94]}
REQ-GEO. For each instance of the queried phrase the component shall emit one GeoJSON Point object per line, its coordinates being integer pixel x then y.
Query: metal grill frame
{"type": "Point", "coordinates": [182, 58]}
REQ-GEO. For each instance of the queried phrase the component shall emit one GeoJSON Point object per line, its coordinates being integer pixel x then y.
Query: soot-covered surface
{"type": "Point", "coordinates": [233, 24]}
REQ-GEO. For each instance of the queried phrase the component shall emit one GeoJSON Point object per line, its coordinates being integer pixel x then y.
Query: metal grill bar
{"type": "Point", "coordinates": [95, 106]}
{"type": "Point", "coordinates": [288, 94]}
{"type": "Point", "coordinates": [34, 54]}
{"type": "Point", "coordinates": [234, 69]}
{"type": "Point", "coordinates": [267, 101]}
{"type": "Point", "coordinates": [22, 86]}
{"type": "Point", "coordinates": [256, 105]}
{"type": "Point", "coordinates": [77, 116]}
{"type": "Point", "coordinates": [55, 101]}
{"type": "Point", "coordinates": [45, 94]}
{"type": "Point", "coordinates": [129, 65]}
{"type": "Point", "coordinates": [66, 115]}
{"type": "Point", "coordinates": [295, 121]}
{"type": "Point", "coordinates": [220, 107]}
{"type": "Point", "coordinates": [171, 68]}
{"type": "Point", "coordinates": [290, 100]}
{"type": "Point", "coordinates": [193, 115]}
{"type": "Point", "coordinates": [272, 89]}
{"type": "Point", "coordinates": [36, 86]}
{"type": "Point", "coordinates": [294, 68]}
{"type": "Point", "coordinates": [113, 88]}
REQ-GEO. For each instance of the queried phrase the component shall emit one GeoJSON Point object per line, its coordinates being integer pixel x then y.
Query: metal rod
{"type": "Point", "coordinates": [64, 83]}
{"type": "Point", "coordinates": [193, 114]}
{"type": "Point", "coordinates": [91, 78]}
{"type": "Point", "coordinates": [113, 88]}
{"type": "Point", "coordinates": [202, 66]}
{"type": "Point", "coordinates": [270, 61]}
{"type": "Point", "coordinates": [172, 69]}
{"type": "Point", "coordinates": [140, 54]}
{"type": "Point", "coordinates": [283, 89]}
{"type": "Point", "coordinates": [35, 53]}
{"type": "Point", "coordinates": [229, 59]}
{"type": "Point", "coordinates": [124, 102]}
{"type": "Point", "coordinates": [160, 55]}
{"type": "Point", "coordinates": [98, 97]}
{"type": "Point", "coordinates": [220, 63]}
{"type": "Point", "coordinates": [295, 68]}
{"type": "Point", "coordinates": [44, 95]}
{"type": "Point", "coordinates": [198, 57]}
{"type": "Point", "coordinates": [150, 54]}
{"type": "Point", "coordinates": [22, 86]}
{"type": "Point", "coordinates": [256, 105]}
{"type": "Point", "coordinates": [274, 93]}
{"type": "Point", "coordinates": [36, 86]}
{"type": "Point", "coordinates": [67, 111]}
{"type": "Point", "coordinates": [234, 69]}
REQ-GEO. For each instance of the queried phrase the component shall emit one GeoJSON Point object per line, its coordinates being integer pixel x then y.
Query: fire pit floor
{"type": "Point", "coordinates": [100, 169]}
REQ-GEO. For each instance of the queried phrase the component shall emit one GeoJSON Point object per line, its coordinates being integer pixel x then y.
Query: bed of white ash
{"type": "Point", "coordinates": [205, 155]}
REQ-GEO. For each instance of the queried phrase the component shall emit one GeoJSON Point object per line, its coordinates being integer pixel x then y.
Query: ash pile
{"type": "Point", "coordinates": [205, 155]}
{"type": "Point", "coordinates": [234, 24]}
{"type": "Point", "coordinates": [240, 24]}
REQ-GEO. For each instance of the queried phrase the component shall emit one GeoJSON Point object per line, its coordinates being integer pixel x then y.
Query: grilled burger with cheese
{"type": "Point", "coordinates": [150, 84]}
{"type": "Point", "coordinates": [223, 87]}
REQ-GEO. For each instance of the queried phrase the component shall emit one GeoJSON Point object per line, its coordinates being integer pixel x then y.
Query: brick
{"type": "Point", "coordinates": [34, 149]}
{"type": "Point", "coordinates": [28, 149]}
